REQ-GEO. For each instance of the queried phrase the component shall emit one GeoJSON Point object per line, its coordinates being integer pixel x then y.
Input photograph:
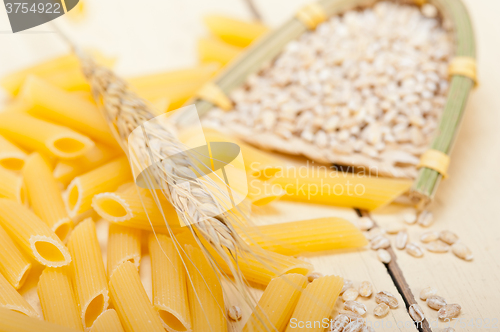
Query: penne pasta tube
{"type": "Point", "coordinates": [42, 136]}
{"type": "Point", "coordinates": [260, 267]}
{"type": "Point", "coordinates": [276, 305]}
{"type": "Point", "coordinates": [89, 275]}
{"type": "Point", "coordinates": [45, 196]}
{"type": "Point", "coordinates": [67, 170]}
{"type": "Point", "coordinates": [108, 321]}
{"type": "Point", "coordinates": [169, 284]}
{"type": "Point", "coordinates": [160, 106]}
{"type": "Point", "coordinates": [32, 234]}
{"type": "Point", "coordinates": [260, 192]}
{"type": "Point", "coordinates": [135, 207]}
{"type": "Point", "coordinates": [13, 82]}
{"type": "Point", "coordinates": [322, 186]}
{"type": "Point", "coordinates": [68, 80]}
{"type": "Point", "coordinates": [59, 106]}
{"type": "Point", "coordinates": [235, 32]}
{"type": "Point", "coordinates": [206, 298]}
{"type": "Point", "coordinates": [14, 266]}
{"type": "Point", "coordinates": [258, 163]}
{"type": "Point", "coordinates": [131, 301]}
{"type": "Point", "coordinates": [108, 177]}
{"type": "Point", "coordinates": [293, 238]}
{"type": "Point", "coordinates": [11, 157]}
{"type": "Point", "coordinates": [12, 300]}
{"type": "Point", "coordinates": [12, 186]}
{"type": "Point", "coordinates": [57, 298]}
{"type": "Point", "coordinates": [177, 94]}
{"type": "Point", "coordinates": [200, 73]}
{"type": "Point", "coordinates": [124, 245]}
{"type": "Point", "coordinates": [11, 321]}
{"type": "Point", "coordinates": [316, 304]}
{"type": "Point", "coordinates": [213, 50]}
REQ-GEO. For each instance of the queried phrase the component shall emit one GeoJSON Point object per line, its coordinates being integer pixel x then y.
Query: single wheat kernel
{"type": "Point", "coordinates": [437, 246]}
{"type": "Point", "coordinates": [365, 223]}
{"type": "Point", "coordinates": [462, 251]}
{"type": "Point", "coordinates": [381, 310]}
{"type": "Point", "coordinates": [416, 313]}
{"type": "Point", "coordinates": [427, 292]}
{"type": "Point", "coordinates": [435, 302]}
{"type": "Point", "coordinates": [384, 256]}
{"type": "Point", "coordinates": [354, 326]}
{"type": "Point", "coordinates": [449, 311]}
{"type": "Point", "coordinates": [350, 294]}
{"type": "Point", "coordinates": [356, 307]}
{"type": "Point", "coordinates": [410, 218]}
{"type": "Point", "coordinates": [395, 227]}
{"type": "Point", "coordinates": [352, 316]}
{"type": "Point", "coordinates": [429, 236]}
{"type": "Point", "coordinates": [401, 240]}
{"type": "Point", "coordinates": [339, 323]}
{"type": "Point", "coordinates": [429, 10]}
{"type": "Point", "coordinates": [387, 298]}
{"type": "Point", "coordinates": [425, 218]}
{"type": "Point", "coordinates": [234, 313]}
{"type": "Point", "coordinates": [414, 249]}
{"type": "Point", "coordinates": [374, 232]}
{"type": "Point", "coordinates": [380, 242]}
{"type": "Point", "coordinates": [367, 328]}
{"type": "Point", "coordinates": [347, 284]}
{"type": "Point", "coordinates": [313, 276]}
{"type": "Point", "coordinates": [448, 237]}
{"type": "Point", "coordinates": [365, 289]}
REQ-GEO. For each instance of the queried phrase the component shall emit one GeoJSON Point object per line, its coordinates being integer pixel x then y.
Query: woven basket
{"type": "Point", "coordinates": [428, 176]}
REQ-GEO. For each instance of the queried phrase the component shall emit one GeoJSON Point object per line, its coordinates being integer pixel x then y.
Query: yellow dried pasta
{"type": "Point", "coordinates": [108, 321]}
{"type": "Point", "coordinates": [12, 300]}
{"type": "Point", "coordinates": [135, 207]}
{"type": "Point", "coordinates": [169, 284]}
{"type": "Point", "coordinates": [32, 234]}
{"type": "Point", "coordinates": [12, 186]}
{"type": "Point", "coordinates": [235, 32]}
{"type": "Point", "coordinates": [11, 321]}
{"type": "Point", "coordinates": [293, 238]}
{"type": "Point", "coordinates": [124, 245]}
{"type": "Point", "coordinates": [39, 135]}
{"type": "Point", "coordinates": [14, 81]}
{"type": "Point", "coordinates": [14, 266]}
{"type": "Point", "coordinates": [315, 305]}
{"type": "Point", "coordinates": [201, 73]}
{"type": "Point", "coordinates": [57, 299]}
{"type": "Point", "coordinates": [45, 196]}
{"type": "Point", "coordinates": [206, 298]}
{"type": "Point", "coordinates": [322, 186]}
{"type": "Point", "coordinates": [89, 275]}
{"type": "Point", "coordinates": [276, 305]}
{"type": "Point", "coordinates": [11, 156]}
{"type": "Point", "coordinates": [67, 170]}
{"type": "Point", "coordinates": [259, 267]}
{"type": "Point", "coordinates": [59, 106]}
{"type": "Point", "coordinates": [131, 301]}
{"type": "Point", "coordinates": [213, 50]}
{"type": "Point", "coordinates": [108, 177]}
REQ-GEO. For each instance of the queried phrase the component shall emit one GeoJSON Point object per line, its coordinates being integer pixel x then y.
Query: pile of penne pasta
{"type": "Point", "coordinates": [61, 170]}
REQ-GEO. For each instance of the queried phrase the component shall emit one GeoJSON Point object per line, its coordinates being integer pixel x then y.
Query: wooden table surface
{"type": "Point", "coordinates": [153, 35]}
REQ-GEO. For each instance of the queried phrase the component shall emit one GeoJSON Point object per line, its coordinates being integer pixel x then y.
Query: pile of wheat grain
{"type": "Point", "coordinates": [365, 88]}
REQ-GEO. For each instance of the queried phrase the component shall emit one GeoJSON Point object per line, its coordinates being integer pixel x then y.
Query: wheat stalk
{"type": "Point", "coordinates": [189, 195]}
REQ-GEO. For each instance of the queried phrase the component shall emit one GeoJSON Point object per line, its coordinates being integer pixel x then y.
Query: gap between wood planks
{"type": "Point", "coordinates": [393, 268]}
{"type": "Point", "coordinates": [399, 280]}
